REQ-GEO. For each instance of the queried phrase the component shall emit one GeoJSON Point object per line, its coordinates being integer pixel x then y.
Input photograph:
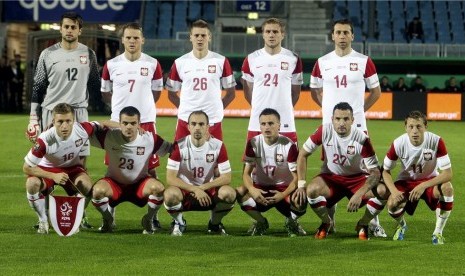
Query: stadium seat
{"type": "Point", "coordinates": [165, 20]}
{"type": "Point", "coordinates": [195, 10]}
{"type": "Point", "coordinates": [209, 11]}
{"type": "Point", "coordinates": [179, 17]}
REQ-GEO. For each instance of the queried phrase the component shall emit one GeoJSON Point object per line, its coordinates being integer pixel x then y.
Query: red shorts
{"type": "Point", "coordinates": [190, 203]}
{"type": "Point", "coordinates": [154, 161]}
{"type": "Point", "coordinates": [132, 193]}
{"type": "Point", "coordinates": [182, 130]}
{"type": "Point", "coordinates": [73, 172]}
{"type": "Point", "coordinates": [343, 186]}
{"type": "Point", "coordinates": [406, 186]}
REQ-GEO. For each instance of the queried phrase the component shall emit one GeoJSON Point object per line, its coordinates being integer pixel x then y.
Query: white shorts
{"type": "Point", "coordinates": [80, 115]}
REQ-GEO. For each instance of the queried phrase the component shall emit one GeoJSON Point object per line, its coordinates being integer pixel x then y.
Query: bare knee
{"type": "Point", "coordinates": [447, 189]}
{"type": "Point", "coordinates": [33, 185]}
{"type": "Point", "coordinates": [155, 187]}
{"type": "Point", "coordinates": [100, 190]}
{"type": "Point", "coordinates": [172, 196]}
{"type": "Point", "coordinates": [227, 194]}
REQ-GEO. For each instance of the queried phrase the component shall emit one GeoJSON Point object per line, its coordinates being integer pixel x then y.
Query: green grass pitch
{"type": "Point", "coordinates": [127, 251]}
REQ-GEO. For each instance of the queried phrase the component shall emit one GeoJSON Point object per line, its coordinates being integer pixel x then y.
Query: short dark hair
{"type": "Point", "coordinates": [132, 25]}
{"type": "Point", "coordinates": [274, 20]}
{"type": "Point", "coordinates": [63, 108]}
{"type": "Point", "coordinates": [343, 106]}
{"type": "Point", "coordinates": [73, 16]}
{"type": "Point", "coordinates": [270, 111]}
{"type": "Point", "coordinates": [199, 24]}
{"type": "Point", "coordinates": [198, 112]}
{"type": "Point", "coordinates": [129, 111]}
{"type": "Point", "coordinates": [416, 115]}
{"type": "Point", "coordinates": [343, 21]}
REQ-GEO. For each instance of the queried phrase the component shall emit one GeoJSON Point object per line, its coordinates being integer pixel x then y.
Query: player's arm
{"type": "Point", "coordinates": [156, 95]}
{"type": "Point", "coordinates": [371, 182]}
{"type": "Point", "coordinates": [256, 194]}
{"type": "Point", "coordinates": [248, 90]}
{"type": "Point", "coordinates": [317, 95]}
{"type": "Point", "coordinates": [59, 178]}
{"type": "Point", "coordinates": [295, 90]}
{"type": "Point", "coordinates": [443, 177]}
{"type": "Point", "coordinates": [39, 89]}
{"type": "Point", "coordinates": [93, 82]}
{"type": "Point", "coordinates": [372, 97]}
{"type": "Point", "coordinates": [222, 180]}
{"type": "Point", "coordinates": [278, 196]}
{"type": "Point", "coordinates": [174, 98]}
{"type": "Point", "coordinates": [106, 86]}
{"type": "Point", "coordinates": [396, 195]}
{"type": "Point", "coordinates": [229, 96]}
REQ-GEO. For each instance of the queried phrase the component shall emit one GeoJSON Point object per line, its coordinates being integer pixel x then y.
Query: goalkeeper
{"type": "Point", "coordinates": [66, 72]}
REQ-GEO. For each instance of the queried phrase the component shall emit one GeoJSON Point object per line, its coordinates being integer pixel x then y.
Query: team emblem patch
{"type": "Point", "coordinates": [279, 158]}
{"type": "Point", "coordinates": [65, 213]}
{"type": "Point", "coordinates": [428, 156]}
{"type": "Point", "coordinates": [83, 59]}
{"type": "Point", "coordinates": [144, 71]}
{"type": "Point", "coordinates": [211, 69]}
{"type": "Point", "coordinates": [78, 142]}
{"type": "Point", "coordinates": [354, 67]}
{"type": "Point", "coordinates": [284, 65]}
{"type": "Point", "coordinates": [140, 150]}
{"type": "Point", "coordinates": [210, 157]}
{"type": "Point", "coordinates": [36, 147]}
{"type": "Point", "coordinates": [351, 150]}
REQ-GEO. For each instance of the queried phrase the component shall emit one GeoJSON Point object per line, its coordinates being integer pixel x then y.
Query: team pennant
{"type": "Point", "coordinates": [65, 213]}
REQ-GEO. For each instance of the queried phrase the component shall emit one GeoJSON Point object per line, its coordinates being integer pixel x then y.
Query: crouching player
{"type": "Point", "coordinates": [199, 177]}
{"type": "Point", "coordinates": [347, 152]}
{"type": "Point", "coordinates": [270, 177]}
{"type": "Point", "coordinates": [54, 160]}
{"type": "Point", "coordinates": [127, 177]}
{"type": "Point", "coordinates": [421, 153]}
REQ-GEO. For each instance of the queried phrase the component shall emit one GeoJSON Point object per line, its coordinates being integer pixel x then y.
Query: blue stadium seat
{"type": "Point", "coordinates": [209, 11]}
{"type": "Point", "coordinates": [195, 10]}
{"type": "Point", "coordinates": [150, 19]}
{"type": "Point", "coordinates": [165, 20]}
{"type": "Point", "coordinates": [179, 17]}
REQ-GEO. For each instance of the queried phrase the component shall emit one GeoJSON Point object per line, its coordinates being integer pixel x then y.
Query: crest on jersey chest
{"type": "Point", "coordinates": [209, 157]}
{"type": "Point", "coordinates": [353, 66]}
{"type": "Point", "coordinates": [351, 150]}
{"type": "Point", "coordinates": [144, 71]}
{"type": "Point", "coordinates": [140, 150]}
{"type": "Point", "coordinates": [284, 65]}
{"type": "Point", "coordinates": [428, 156]}
{"type": "Point", "coordinates": [78, 142]}
{"type": "Point", "coordinates": [211, 69]}
{"type": "Point", "coordinates": [83, 59]}
{"type": "Point", "coordinates": [279, 158]}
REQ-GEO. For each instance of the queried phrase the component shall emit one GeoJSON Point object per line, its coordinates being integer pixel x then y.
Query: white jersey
{"type": "Point", "coordinates": [343, 79]}
{"type": "Point", "coordinates": [273, 164]}
{"type": "Point", "coordinates": [419, 162]}
{"type": "Point", "coordinates": [65, 76]}
{"type": "Point", "coordinates": [200, 82]}
{"type": "Point", "coordinates": [132, 83]}
{"type": "Point", "coordinates": [52, 151]}
{"type": "Point", "coordinates": [343, 156]}
{"type": "Point", "coordinates": [128, 161]}
{"type": "Point", "coordinates": [272, 77]}
{"type": "Point", "coordinates": [196, 165]}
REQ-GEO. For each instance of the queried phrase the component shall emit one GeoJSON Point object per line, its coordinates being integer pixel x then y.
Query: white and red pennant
{"type": "Point", "coordinates": [65, 213]}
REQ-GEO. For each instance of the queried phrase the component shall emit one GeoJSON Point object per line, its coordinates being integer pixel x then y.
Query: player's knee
{"type": "Point", "coordinates": [447, 189]}
{"type": "Point", "coordinates": [382, 192]}
{"type": "Point", "coordinates": [172, 196]}
{"type": "Point", "coordinates": [99, 191]}
{"type": "Point", "coordinates": [313, 190]}
{"type": "Point", "coordinates": [156, 188]}
{"type": "Point", "coordinates": [227, 193]}
{"type": "Point", "coordinates": [33, 185]}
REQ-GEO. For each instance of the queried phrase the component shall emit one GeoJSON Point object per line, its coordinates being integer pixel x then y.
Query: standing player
{"type": "Point", "coordinates": [350, 169]}
{"type": "Point", "coordinates": [199, 76]}
{"type": "Point", "coordinates": [133, 79]}
{"type": "Point", "coordinates": [199, 177]}
{"type": "Point", "coordinates": [54, 160]}
{"type": "Point", "coordinates": [421, 154]}
{"type": "Point", "coordinates": [341, 76]}
{"type": "Point", "coordinates": [270, 177]}
{"type": "Point", "coordinates": [273, 79]}
{"type": "Point", "coordinates": [66, 72]}
{"type": "Point", "coordinates": [127, 177]}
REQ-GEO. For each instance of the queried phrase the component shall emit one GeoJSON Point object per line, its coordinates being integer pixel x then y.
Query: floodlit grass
{"type": "Point", "coordinates": [127, 251]}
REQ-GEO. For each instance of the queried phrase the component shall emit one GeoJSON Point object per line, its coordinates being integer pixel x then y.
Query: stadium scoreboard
{"type": "Point", "coordinates": [240, 8]}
